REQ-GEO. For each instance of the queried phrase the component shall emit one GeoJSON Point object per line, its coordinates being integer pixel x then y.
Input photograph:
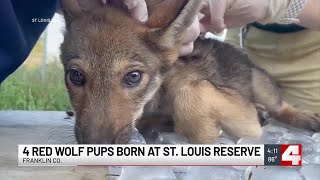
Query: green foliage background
{"type": "Point", "coordinates": [24, 90]}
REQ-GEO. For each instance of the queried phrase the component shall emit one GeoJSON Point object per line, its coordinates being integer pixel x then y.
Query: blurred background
{"type": "Point", "coordinates": [38, 84]}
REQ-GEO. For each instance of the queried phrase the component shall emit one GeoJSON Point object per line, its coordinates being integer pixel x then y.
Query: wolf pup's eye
{"type": "Point", "coordinates": [76, 77]}
{"type": "Point", "coordinates": [132, 79]}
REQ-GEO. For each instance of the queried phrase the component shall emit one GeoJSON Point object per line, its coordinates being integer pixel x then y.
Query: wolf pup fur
{"type": "Point", "coordinates": [120, 72]}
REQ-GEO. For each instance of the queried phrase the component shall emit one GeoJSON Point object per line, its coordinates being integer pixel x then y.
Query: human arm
{"type": "Point", "coordinates": [310, 15]}
{"type": "Point", "coordinates": [221, 14]}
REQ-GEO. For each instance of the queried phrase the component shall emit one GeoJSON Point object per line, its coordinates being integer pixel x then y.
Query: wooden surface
{"type": "Point", "coordinates": [44, 127]}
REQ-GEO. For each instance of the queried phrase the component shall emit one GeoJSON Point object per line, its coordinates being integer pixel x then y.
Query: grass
{"type": "Point", "coordinates": [24, 89]}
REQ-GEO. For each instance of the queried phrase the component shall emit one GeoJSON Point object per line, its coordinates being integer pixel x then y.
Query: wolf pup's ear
{"type": "Point", "coordinates": [74, 8]}
{"type": "Point", "coordinates": [168, 36]}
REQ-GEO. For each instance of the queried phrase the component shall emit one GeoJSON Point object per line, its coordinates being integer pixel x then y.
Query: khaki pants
{"type": "Point", "coordinates": [292, 59]}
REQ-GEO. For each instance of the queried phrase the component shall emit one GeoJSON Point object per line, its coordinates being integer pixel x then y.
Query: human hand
{"type": "Point", "coordinates": [221, 14]}
{"type": "Point", "coordinates": [191, 34]}
{"type": "Point", "coordinates": [138, 10]}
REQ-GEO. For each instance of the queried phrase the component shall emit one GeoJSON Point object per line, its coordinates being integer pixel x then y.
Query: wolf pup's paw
{"type": "Point", "coordinates": [263, 114]}
{"type": "Point", "coordinates": [307, 120]}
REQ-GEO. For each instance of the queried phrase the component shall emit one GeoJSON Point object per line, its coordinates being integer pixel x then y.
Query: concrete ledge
{"type": "Point", "coordinates": [38, 127]}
